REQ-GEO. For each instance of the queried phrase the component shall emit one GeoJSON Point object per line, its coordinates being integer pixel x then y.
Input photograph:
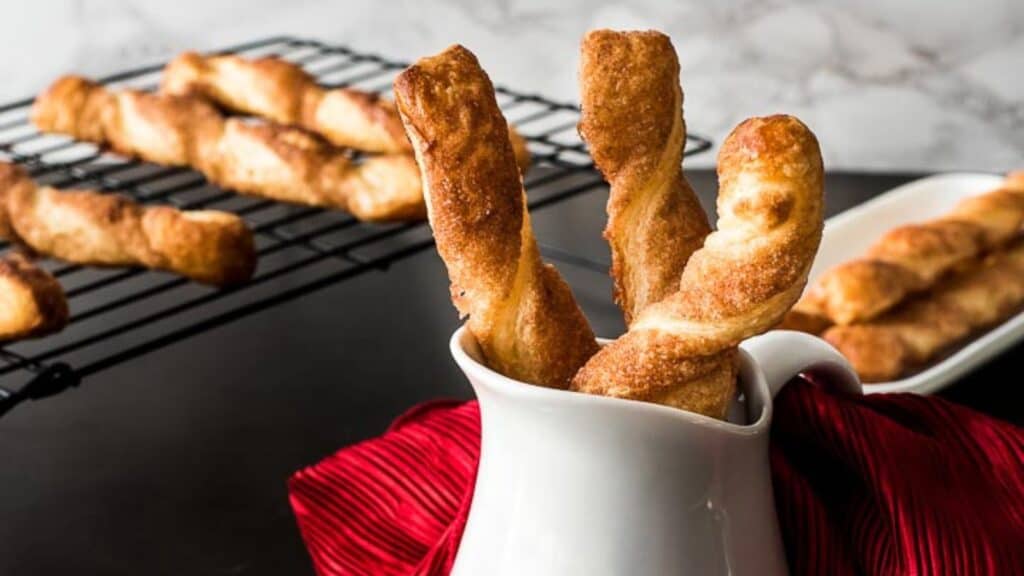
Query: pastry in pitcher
{"type": "Point", "coordinates": [519, 309]}
{"type": "Point", "coordinates": [681, 350]}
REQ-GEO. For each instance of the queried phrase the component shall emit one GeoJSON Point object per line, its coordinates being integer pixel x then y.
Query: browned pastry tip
{"type": "Point", "coordinates": [923, 328]}
{"type": "Point", "coordinates": [285, 93]}
{"type": "Point", "coordinates": [88, 227]}
{"type": "Point", "coordinates": [915, 257]}
{"type": "Point", "coordinates": [32, 303]}
{"type": "Point", "coordinates": [73, 105]}
{"type": "Point", "coordinates": [740, 283]}
{"type": "Point", "coordinates": [632, 122]}
{"type": "Point", "coordinates": [520, 310]}
{"type": "Point", "coordinates": [258, 158]}
{"type": "Point", "coordinates": [207, 246]}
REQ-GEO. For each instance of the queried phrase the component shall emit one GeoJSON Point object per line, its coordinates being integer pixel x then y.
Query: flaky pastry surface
{"type": "Point", "coordinates": [254, 158]}
{"type": "Point", "coordinates": [920, 330]}
{"type": "Point", "coordinates": [520, 310]}
{"type": "Point", "coordinates": [632, 122]}
{"type": "Point", "coordinates": [285, 93]}
{"type": "Point", "coordinates": [32, 303]}
{"type": "Point", "coordinates": [88, 227]}
{"type": "Point", "coordinates": [916, 257]}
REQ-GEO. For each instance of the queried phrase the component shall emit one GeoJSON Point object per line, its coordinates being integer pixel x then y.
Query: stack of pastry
{"type": "Point", "coordinates": [89, 227]}
{"type": "Point", "coordinates": [689, 296]}
{"type": "Point", "coordinates": [300, 150]}
{"type": "Point", "coordinates": [923, 288]}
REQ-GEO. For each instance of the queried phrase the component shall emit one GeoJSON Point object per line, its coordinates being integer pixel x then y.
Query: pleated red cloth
{"type": "Point", "coordinates": [880, 484]}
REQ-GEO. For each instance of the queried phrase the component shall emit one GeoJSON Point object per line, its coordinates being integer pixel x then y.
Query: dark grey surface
{"type": "Point", "coordinates": [176, 462]}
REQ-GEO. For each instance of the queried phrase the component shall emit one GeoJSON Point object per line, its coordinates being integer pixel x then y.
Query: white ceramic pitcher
{"type": "Point", "coordinates": [573, 484]}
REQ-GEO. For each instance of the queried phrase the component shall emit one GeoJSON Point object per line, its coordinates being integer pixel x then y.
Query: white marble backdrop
{"type": "Point", "coordinates": [886, 84]}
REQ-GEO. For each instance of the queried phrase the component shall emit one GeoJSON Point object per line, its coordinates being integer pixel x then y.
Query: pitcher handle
{"type": "Point", "coordinates": [782, 354]}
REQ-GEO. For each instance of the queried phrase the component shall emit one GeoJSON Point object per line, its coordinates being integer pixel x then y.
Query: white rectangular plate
{"type": "Point", "coordinates": [848, 235]}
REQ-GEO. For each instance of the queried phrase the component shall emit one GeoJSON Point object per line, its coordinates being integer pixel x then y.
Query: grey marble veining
{"type": "Point", "coordinates": [904, 84]}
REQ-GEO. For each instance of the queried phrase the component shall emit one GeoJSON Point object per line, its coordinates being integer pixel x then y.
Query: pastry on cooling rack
{"type": "Point", "coordinates": [32, 303]}
{"type": "Point", "coordinates": [916, 257]}
{"type": "Point", "coordinates": [283, 92]}
{"type": "Point", "coordinates": [87, 227]}
{"type": "Point", "coordinates": [908, 337]}
{"type": "Point", "coordinates": [520, 310]}
{"type": "Point", "coordinates": [254, 158]}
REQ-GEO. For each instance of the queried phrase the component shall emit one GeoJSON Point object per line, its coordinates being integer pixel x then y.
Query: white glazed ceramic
{"type": "Point", "coordinates": [849, 234]}
{"type": "Point", "coordinates": [572, 484]}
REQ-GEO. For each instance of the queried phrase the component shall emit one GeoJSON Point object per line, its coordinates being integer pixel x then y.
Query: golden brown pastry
{"type": "Point", "coordinates": [520, 310]}
{"type": "Point", "coordinates": [914, 258]}
{"type": "Point", "coordinates": [632, 123]}
{"type": "Point", "coordinates": [87, 227]}
{"type": "Point", "coordinates": [917, 332]}
{"type": "Point", "coordinates": [285, 93]}
{"type": "Point", "coordinates": [260, 159]}
{"type": "Point", "coordinates": [682, 351]}
{"type": "Point", "coordinates": [32, 303]}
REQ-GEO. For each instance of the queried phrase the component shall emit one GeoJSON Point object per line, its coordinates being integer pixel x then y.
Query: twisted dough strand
{"type": "Point", "coordinates": [918, 331]}
{"type": "Point", "coordinates": [520, 310]}
{"type": "Point", "coordinates": [682, 351]}
{"type": "Point", "coordinates": [632, 123]}
{"type": "Point", "coordinates": [914, 258]}
{"type": "Point", "coordinates": [87, 227]}
{"type": "Point", "coordinates": [32, 303]}
{"type": "Point", "coordinates": [260, 159]}
{"type": "Point", "coordinates": [285, 93]}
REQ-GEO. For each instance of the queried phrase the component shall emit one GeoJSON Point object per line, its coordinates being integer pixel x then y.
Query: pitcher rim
{"type": "Point", "coordinates": [532, 391]}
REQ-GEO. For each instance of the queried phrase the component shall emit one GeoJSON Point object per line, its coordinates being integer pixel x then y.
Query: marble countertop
{"type": "Point", "coordinates": [886, 85]}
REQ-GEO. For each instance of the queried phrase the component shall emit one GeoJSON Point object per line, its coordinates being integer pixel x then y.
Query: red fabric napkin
{"type": "Point", "coordinates": [881, 484]}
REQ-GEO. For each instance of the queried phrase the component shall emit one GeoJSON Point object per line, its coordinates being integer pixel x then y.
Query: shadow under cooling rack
{"type": "Point", "coordinates": [118, 314]}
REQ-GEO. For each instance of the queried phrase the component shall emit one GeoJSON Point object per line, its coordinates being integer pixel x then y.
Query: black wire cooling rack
{"type": "Point", "coordinates": [118, 314]}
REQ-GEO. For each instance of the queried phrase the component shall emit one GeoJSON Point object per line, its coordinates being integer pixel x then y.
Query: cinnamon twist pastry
{"type": "Point", "coordinates": [908, 337]}
{"type": "Point", "coordinates": [682, 350]}
{"type": "Point", "coordinates": [520, 310]}
{"type": "Point", "coordinates": [914, 258]}
{"type": "Point", "coordinates": [259, 159]}
{"type": "Point", "coordinates": [285, 93]}
{"type": "Point", "coordinates": [32, 303]}
{"type": "Point", "coordinates": [632, 123]}
{"type": "Point", "coordinates": [87, 227]}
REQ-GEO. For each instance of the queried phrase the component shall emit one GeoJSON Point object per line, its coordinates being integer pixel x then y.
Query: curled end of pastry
{"type": "Point", "coordinates": [32, 303]}
{"type": "Point", "coordinates": [72, 105]}
{"type": "Point", "coordinates": [208, 246]}
{"type": "Point", "coordinates": [631, 103]}
{"type": "Point", "coordinates": [181, 75]}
